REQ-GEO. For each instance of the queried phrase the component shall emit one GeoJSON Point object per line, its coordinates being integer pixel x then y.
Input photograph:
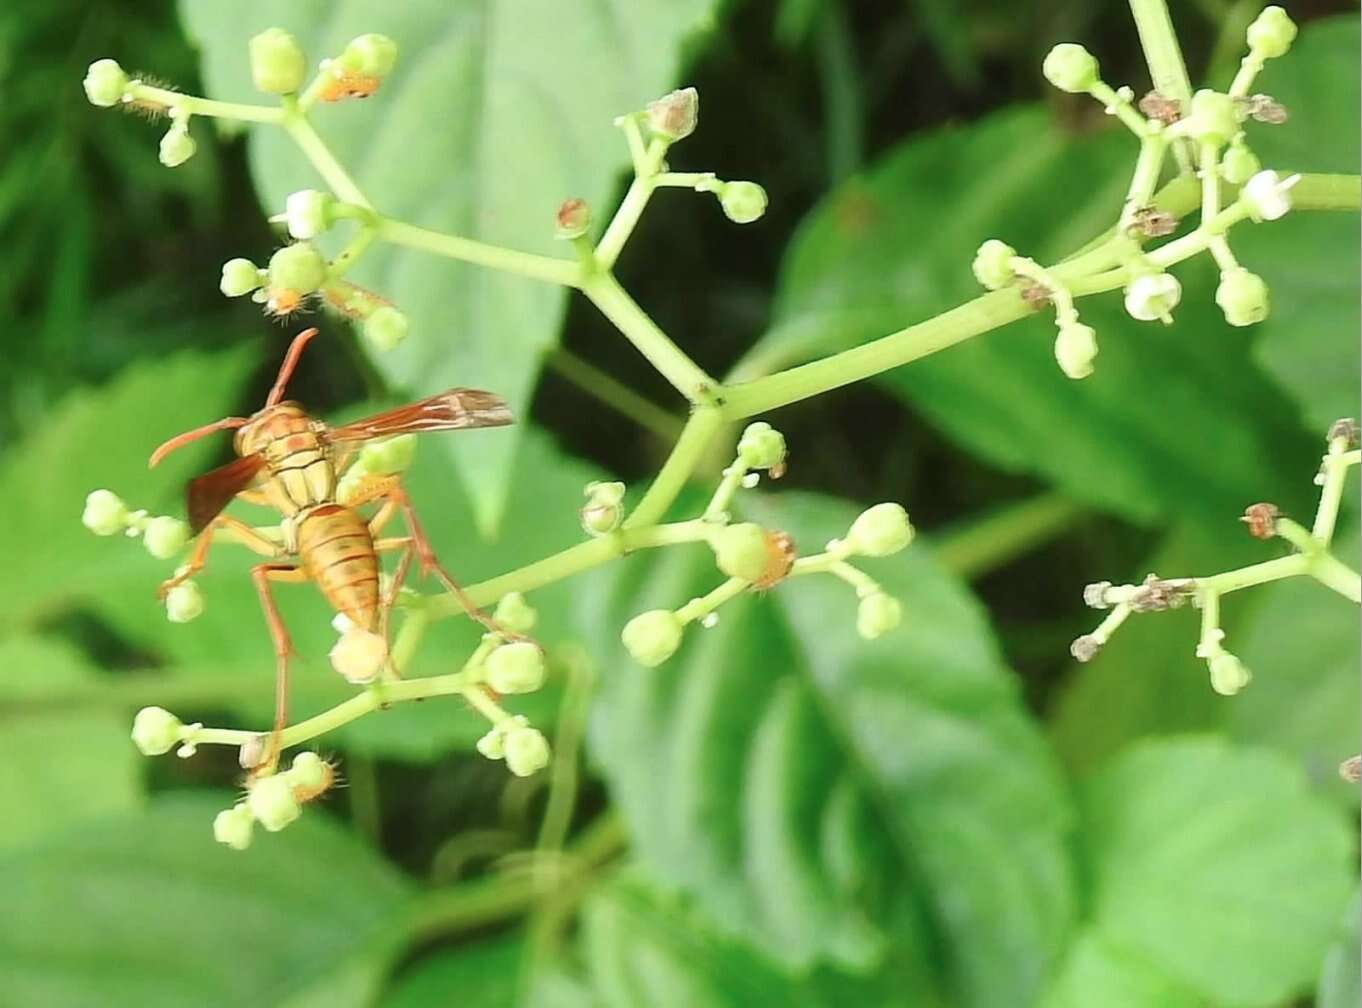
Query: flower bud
{"type": "Point", "coordinates": [993, 264]}
{"type": "Point", "coordinates": [1211, 117]}
{"type": "Point", "coordinates": [271, 801]}
{"type": "Point", "coordinates": [761, 446]}
{"type": "Point", "coordinates": [880, 531]}
{"type": "Point", "coordinates": [527, 751]}
{"type": "Point", "coordinates": [184, 602]}
{"type": "Point", "coordinates": [1271, 33]}
{"type": "Point", "coordinates": [387, 456]}
{"type": "Point", "coordinates": [1239, 163]}
{"type": "Point", "coordinates": [308, 213]}
{"type": "Point", "coordinates": [233, 827]}
{"type": "Point", "coordinates": [177, 146]}
{"type": "Point", "coordinates": [277, 62]}
{"type": "Point", "coordinates": [309, 775]}
{"type": "Point", "coordinates": [674, 116]}
{"type": "Point", "coordinates": [1267, 195]}
{"type": "Point", "coordinates": [573, 218]}
{"type": "Point", "coordinates": [1070, 67]}
{"type": "Point", "coordinates": [515, 614]}
{"type": "Point", "coordinates": [877, 614]}
{"type": "Point", "coordinates": [385, 328]}
{"type": "Point", "coordinates": [603, 509]}
{"type": "Point", "coordinates": [1228, 674]}
{"type": "Point", "coordinates": [652, 637]}
{"type": "Point", "coordinates": [1075, 349]}
{"type": "Point", "coordinates": [373, 55]}
{"type": "Point", "coordinates": [105, 83]}
{"type": "Point", "coordinates": [493, 744]}
{"type": "Point", "coordinates": [740, 550]}
{"type": "Point", "coordinates": [517, 667]}
{"type": "Point", "coordinates": [743, 202]}
{"type": "Point", "coordinates": [1153, 296]}
{"type": "Point", "coordinates": [359, 654]}
{"type": "Point", "coordinates": [165, 536]}
{"type": "Point", "coordinates": [298, 267]}
{"type": "Point", "coordinates": [155, 731]}
{"type": "Point", "coordinates": [1085, 648]}
{"type": "Point", "coordinates": [1242, 296]}
{"type": "Point", "coordinates": [239, 277]}
{"type": "Point", "coordinates": [105, 514]}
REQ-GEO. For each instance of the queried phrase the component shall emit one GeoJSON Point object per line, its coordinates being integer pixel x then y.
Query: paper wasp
{"type": "Point", "coordinates": [291, 462]}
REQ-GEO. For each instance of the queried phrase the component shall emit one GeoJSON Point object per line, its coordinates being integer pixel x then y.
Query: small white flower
{"type": "Point", "coordinates": [1153, 296]}
{"type": "Point", "coordinates": [306, 213]}
{"type": "Point", "coordinates": [1268, 195]}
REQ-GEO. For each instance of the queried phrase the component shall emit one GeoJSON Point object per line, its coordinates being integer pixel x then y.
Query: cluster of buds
{"type": "Point", "coordinates": [381, 457]}
{"type": "Point", "coordinates": [508, 664]}
{"type": "Point", "coordinates": [164, 537]}
{"type": "Point", "coordinates": [275, 800]}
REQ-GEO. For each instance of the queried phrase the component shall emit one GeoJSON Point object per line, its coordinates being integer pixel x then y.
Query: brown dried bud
{"type": "Point", "coordinates": [1085, 648]}
{"type": "Point", "coordinates": [1156, 106]}
{"type": "Point", "coordinates": [1151, 222]}
{"type": "Point", "coordinates": [1266, 109]}
{"type": "Point", "coordinates": [1095, 595]}
{"type": "Point", "coordinates": [674, 115]}
{"type": "Point", "coordinates": [780, 557]}
{"type": "Point", "coordinates": [1346, 430]}
{"type": "Point", "coordinates": [252, 751]}
{"type": "Point", "coordinates": [573, 218]}
{"type": "Point", "coordinates": [1351, 769]}
{"type": "Point", "coordinates": [1156, 594]}
{"type": "Point", "coordinates": [1036, 295]}
{"type": "Point", "coordinates": [1261, 519]}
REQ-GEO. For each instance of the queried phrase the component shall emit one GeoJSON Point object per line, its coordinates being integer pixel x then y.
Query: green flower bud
{"type": "Point", "coordinates": [373, 55]}
{"type": "Point", "coordinates": [1153, 296]}
{"type": "Point", "coordinates": [239, 277]}
{"type": "Point", "coordinates": [877, 614]}
{"type": "Point", "coordinates": [743, 202]}
{"type": "Point", "coordinates": [1239, 163]}
{"type": "Point", "coordinates": [1075, 349]}
{"type": "Point", "coordinates": [674, 116]}
{"type": "Point", "coordinates": [184, 602]}
{"type": "Point", "coordinates": [761, 446]}
{"type": "Point", "coordinates": [652, 637]}
{"type": "Point", "coordinates": [1212, 117]}
{"type": "Point", "coordinates": [1070, 67]}
{"type": "Point", "coordinates": [309, 772]}
{"type": "Point", "coordinates": [298, 267]}
{"type": "Point", "coordinates": [515, 614]}
{"type": "Point", "coordinates": [385, 328]}
{"type": "Point", "coordinates": [165, 536]}
{"type": "Point", "coordinates": [740, 550]}
{"type": "Point", "coordinates": [271, 801]}
{"type": "Point", "coordinates": [1228, 674]}
{"type": "Point", "coordinates": [527, 751]}
{"type": "Point", "coordinates": [155, 731]}
{"type": "Point", "coordinates": [602, 511]}
{"type": "Point", "coordinates": [993, 264]}
{"type": "Point", "coordinates": [105, 514]}
{"type": "Point", "coordinates": [177, 147]}
{"type": "Point", "coordinates": [517, 667]}
{"type": "Point", "coordinates": [277, 62]}
{"type": "Point", "coordinates": [493, 744]}
{"type": "Point", "coordinates": [388, 456]}
{"type": "Point", "coordinates": [880, 531]}
{"type": "Point", "coordinates": [233, 827]}
{"type": "Point", "coordinates": [308, 213]}
{"type": "Point", "coordinates": [1242, 296]}
{"type": "Point", "coordinates": [1271, 33]}
{"type": "Point", "coordinates": [573, 218]}
{"type": "Point", "coordinates": [105, 83]}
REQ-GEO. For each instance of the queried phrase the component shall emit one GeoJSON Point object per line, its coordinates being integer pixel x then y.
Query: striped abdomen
{"type": "Point", "coordinates": [301, 473]}
{"type": "Point", "coordinates": [338, 554]}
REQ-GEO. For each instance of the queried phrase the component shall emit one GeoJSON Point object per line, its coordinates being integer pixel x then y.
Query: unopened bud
{"type": "Point", "coordinates": [743, 202]}
{"type": "Point", "coordinates": [272, 803]}
{"type": "Point", "coordinates": [388, 456]}
{"type": "Point", "coordinates": [277, 62]}
{"type": "Point", "coordinates": [674, 115]}
{"type": "Point", "coordinates": [372, 55]}
{"type": "Point", "coordinates": [233, 827]}
{"type": "Point", "coordinates": [105, 82]}
{"type": "Point", "coordinates": [877, 614]}
{"type": "Point", "coordinates": [992, 264]}
{"type": "Point", "coordinates": [177, 146]}
{"type": "Point", "coordinates": [359, 654]}
{"type": "Point", "coordinates": [740, 550]}
{"type": "Point", "coordinates": [517, 667]}
{"type": "Point", "coordinates": [1239, 163]}
{"type": "Point", "coordinates": [307, 213]}
{"type": "Point", "coordinates": [1076, 349]}
{"type": "Point", "coordinates": [1153, 296]}
{"type": "Point", "coordinates": [1267, 195]}
{"type": "Point", "coordinates": [239, 277]}
{"type": "Point", "coordinates": [1212, 117]}
{"type": "Point", "coordinates": [1228, 674]}
{"type": "Point", "coordinates": [880, 531]}
{"type": "Point", "coordinates": [184, 602]}
{"type": "Point", "coordinates": [761, 446]}
{"type": "Point", "coordinates": [515, 614]}
{"type": "Point", "coordinates": [527, 751]}
{"type": "Point", "coordinates": [573, 218]}
{"type": "Point", "coordinates": [1271, 33]}
{"type": "Point", "coordinates": [1070, 67]}
{"type": "Point", "coordinates": [603, 509]}
{"type": "Point", "coordinates": [1242, 296]}
{"type": "Point", "coordinates": [652, 637]}
{"type": "Point", "coordinates": [165, 536]}
{"type": "Point", "coordinates": [297, 267]}
{"type": "Point", "coordinates": [493, 744]}
{"type": "Point", "coordinates": [155, 731]}
{"type": "Point", "coordinates": [105, 513]}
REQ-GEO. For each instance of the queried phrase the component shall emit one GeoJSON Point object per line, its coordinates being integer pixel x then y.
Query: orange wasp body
{"type": "Point", "coordinates": [291, 462]}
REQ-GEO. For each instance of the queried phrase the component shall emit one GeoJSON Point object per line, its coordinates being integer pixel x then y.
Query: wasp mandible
{"type": "Point", "coordinates": [291, 462]}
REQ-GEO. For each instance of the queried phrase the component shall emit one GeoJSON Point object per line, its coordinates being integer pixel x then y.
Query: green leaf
{"type": "Point", "coordinates": [147, 910]}
{"type": "Point", "coordinates": [1310, 261]}
{"type": "Point", "coordinates": [820, 795]}
{"type": "Point", "coordinates": [1094, 973]}
{"type": "Point", "coordinates": [1215, 865]}
{"type": "Point", "coordinates": [483, 973]}
{"type": "Point", "coordinates": [1339, 984]}
{"type": "Point", "coordinates": [1175, 421]}
{"type": "Point", "coordinates": [492, 118]}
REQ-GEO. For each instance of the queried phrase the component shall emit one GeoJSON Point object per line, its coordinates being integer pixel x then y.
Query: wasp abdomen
{"type": "Point", "coordinates": [338, 554]}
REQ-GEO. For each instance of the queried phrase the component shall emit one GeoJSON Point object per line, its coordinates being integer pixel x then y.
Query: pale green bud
{"type": "Point", "coordinates": [239, 277]}
{"type": "Point", "coordinates": [373, 55]}
{"type": "Point", "coordinates": [155, 731]}
{"type": "Point", "coordinates": [233, 827]}
{"type": "Point", "coordinates": [573, 218]}
{"type": "Point", "coordinates": [743, 202]}
{"type": "Point", "coordinates": [992, 264]}
{"type": "Point", "coordinates": [1239, 163]}
{"type": "Point", "coordinates": [385, 328]}
{"type": "Point", "coordinates": [105, 82]}
{"type": "Point", "coordinates": [652, 637]}
{"type": "Point", "coordinates": [165, 536]}
{"type": "Point", "coordinates": [877, 614]}
{"type": "Point", "coordinates": [271, 801]}
{"type": "Point", "coordinates": [177, 147]}
{"type": "Point", "coordinates": [1242, 296]}
{"type": "Point", "coordinates": [761, 446]}
{"type": "Point", "coordinates": [740, 550]}
{"type": "Point", "coordinates": [675, 115]}
{"type": "Point", "coordinates": [184, 602]}
{"type": "Point", "coordinates": [1153, 296]}
{"type": "Point", "coordinates": [493, 744]}
{"type": "Point", "coordinates": [298, 267]}
{"type": "Point", "coordinates": [517, 667]}
{"type": "Point", "coordinates": [389, 456]}
{"type": "Point", "coordinates": [1070, 67]}
{"type": "Point", "coordinates": [527, 751]}
{"type": "Point", "coordinates": [515, 614]}
{"type": "Point", "coordinates": [880, 531]}
{"type": "Point", "coordinates": [359, 654]}
{"type": "Point", "coordinates": [309, 772]}
{"type": "Point", "coordinates": [602, 511]}
{"type": "Point", "coordinates": [307, 213]}
{"type": "Point", "coordinates": [105, 514]}
{"type": "Point", "coordinates": [1211, 117]}
{"type": "Point", "coordinates": [277, 62]}
{"type": "Point", "coordinates": [1228, 674]}
{"type": "Point", "coordinates": [1271, 33]}
{"type": "Point", "coordinates": [1076, 349]}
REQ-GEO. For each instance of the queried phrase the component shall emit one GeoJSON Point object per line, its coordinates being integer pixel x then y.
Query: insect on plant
{"type": "Point", "coordinates": [291, 462]}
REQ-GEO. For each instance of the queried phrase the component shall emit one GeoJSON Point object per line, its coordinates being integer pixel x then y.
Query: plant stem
{"type": "Point", "coordinates": [615, 394]}
{"type": "Point", "coordinates": [631, 207]}
{"type": "Point", "coordinates": [1167, 70]}
{"type": "Point", "coordinates": [206, 106]}
{"type": "Point", "coordinates": [1148, 164]}
{"type": "Point", "coordinates": [537, 267]}
{"type": "Point", "coordinates": [1336, 465]}
{"type": "Point", "coordinates": [1329, 571]}
{"type": "Point", "coordinates": [981, 545]}
{"type": "Point", "coordinates": [685, 455]}
{"type": "Point", "coordinates": [314, 148]}
{"type": "Point", "coordinates": [1254, 574]}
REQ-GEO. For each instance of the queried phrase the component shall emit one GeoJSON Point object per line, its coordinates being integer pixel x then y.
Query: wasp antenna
{"type": "Point", "coordinates": [179, 440]}
{"type": "Point", "coordinates": [295, 351]}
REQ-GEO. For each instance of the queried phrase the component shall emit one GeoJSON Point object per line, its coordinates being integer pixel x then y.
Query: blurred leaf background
{"type": "Point", "coordinates": [954, 815]}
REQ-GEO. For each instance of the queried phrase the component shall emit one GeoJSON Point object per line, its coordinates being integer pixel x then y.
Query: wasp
{"type": "Point", "coordinates": [292, 462]}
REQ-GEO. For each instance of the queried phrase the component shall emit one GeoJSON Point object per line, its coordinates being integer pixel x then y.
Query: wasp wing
{"type": "Point", "coordinates": [456, 409]}
{"type": "Point", "coordinates": [207, 495]}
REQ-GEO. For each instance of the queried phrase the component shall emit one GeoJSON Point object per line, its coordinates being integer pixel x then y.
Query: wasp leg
{"type": "Point", "coordinates": [389, 599]}
{"type": "Point", "coordinates": [262, 575]}
{"type": "Point", "coordinates": [234, 529]}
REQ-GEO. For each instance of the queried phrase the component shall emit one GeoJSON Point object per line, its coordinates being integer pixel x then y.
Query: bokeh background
{"type": "Point", "coordinates": [957, 814]}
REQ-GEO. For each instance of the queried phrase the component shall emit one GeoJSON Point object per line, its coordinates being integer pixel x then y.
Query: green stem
{"type": "Point", "coordinates": [699, 608]}
{"type": "Point", "coordinates": [1148, 164]}
{"type": "Point", "coordinates": [1121, 109]}
{"type": "Point", "coordinates": [689, 449]}
{"type": "Point", "coordinates": [615, 394]}
{"type": "Point", "coordinates": [631, 207]}
{"type": "Point", "coordinates": [981, 545]}
{"type": "Point", "coordinates": [206, 106]}
{"type": "Point", "coordinates": [566, 745]}
{"type": "Point", "coordinates": [1336, 465]}
{"type": "Point", "coordinates": [349, 255]}
{"type": "Point", "coordinates": [1255, 574]}
{"type": "Point", "coordinates": [314, 148]}
{"type": "Point", "coordinates": [1167, 70]}
{"type": "Point", "coordinates": [1329, 571]}
{"type": "Point", "coordinates": [717, 511]}
{"type": "Point", "coordinates": [1249, 68]}
{"type": "Point", "coordinates": [537, 267]}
